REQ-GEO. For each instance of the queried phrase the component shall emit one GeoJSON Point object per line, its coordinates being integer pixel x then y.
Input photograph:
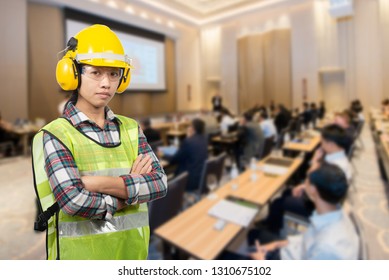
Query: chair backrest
{"type": "Point", "coordinates": [162, 210]}
{"type": "Point", "coordinates": [211, 167]}
{"type": "Point", "coordinates": [351, 150]}
{"type": "Point", "coordinates": [220, 164]}
{"type": "Point", "coordinates": [268, 146]}
{"type": "Point", "coordinates": [363, 249]}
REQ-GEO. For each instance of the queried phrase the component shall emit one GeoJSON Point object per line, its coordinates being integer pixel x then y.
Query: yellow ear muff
{"type": "Point", "coordinates": [125, 81]}
{"type": "Point", "coordinates": [67, 74]}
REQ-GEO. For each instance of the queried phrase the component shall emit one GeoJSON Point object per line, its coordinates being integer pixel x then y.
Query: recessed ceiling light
{"type": "Point", "coordinates": [171, 24]}
{"type": "Point", "coordinates": [158, 20]}
{"type": "Point", "coordinates": [129, 10]}
{"type": "Point", "coordinates": [112, 4]}
{"type": "Point", "coordinates": [144, 15]}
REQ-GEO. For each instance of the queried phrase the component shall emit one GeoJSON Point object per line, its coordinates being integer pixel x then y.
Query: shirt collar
{"type": "Point", "coordinates": [335, 156]}
{"type": "Point", "coordinates": [319, 221]}
{"type": "Point", "coordinates": [77, 117]}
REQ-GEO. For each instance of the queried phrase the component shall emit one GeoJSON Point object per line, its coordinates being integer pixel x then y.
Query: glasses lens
{"type": "Point", "coordinates": [98, 73]}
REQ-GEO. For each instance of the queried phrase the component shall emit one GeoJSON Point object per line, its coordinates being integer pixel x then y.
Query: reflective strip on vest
{"type": "Point", "coordinates": [120, 223]}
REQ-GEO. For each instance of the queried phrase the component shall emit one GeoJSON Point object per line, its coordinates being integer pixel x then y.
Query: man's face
{"type": "Point", "coordinates": [99, 84]}
{"type": "Point", "coordinates": [325, 145]}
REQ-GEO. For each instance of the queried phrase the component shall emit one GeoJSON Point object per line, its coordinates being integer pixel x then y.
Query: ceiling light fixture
{"type": "Point", "coordinates": [129, 10]}
{"type": "Point", "coordinates": [112, 4]}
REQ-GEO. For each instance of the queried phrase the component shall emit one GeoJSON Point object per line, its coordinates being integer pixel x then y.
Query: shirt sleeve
{"type": "Point", "coordinates": [146, 187]}
{"type": "Point", "coordinates": [65, 182]}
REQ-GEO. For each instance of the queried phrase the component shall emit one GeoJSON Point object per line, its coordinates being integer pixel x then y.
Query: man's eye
{"type": "Point", "coordinates": [95, 73]}
{"type": "Point", "coordinates": [114, 74]}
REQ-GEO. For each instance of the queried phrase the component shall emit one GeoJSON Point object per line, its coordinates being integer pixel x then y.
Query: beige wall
{"type": "Point", "coordinates": [384, 34]}
{"type": "Point", "coordinates": [320, 45]}
{"type": "Point", "coordinates": [13, 60]}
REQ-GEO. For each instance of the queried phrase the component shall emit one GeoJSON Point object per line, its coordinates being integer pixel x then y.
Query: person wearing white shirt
{"type": "Point", "coordinates": [331, 234]}
{"type": "Point", "coordinates": [267, 126]}
{"type": "Point", "coordinates": [333, 144]}
{"type": "Point", "coordinates": [226, 121]}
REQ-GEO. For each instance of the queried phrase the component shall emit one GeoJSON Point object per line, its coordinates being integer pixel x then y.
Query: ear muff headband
{"type": "Point", "coordinates": [67, 72]}
{"type": "Point", "coordinates": [124, 81]}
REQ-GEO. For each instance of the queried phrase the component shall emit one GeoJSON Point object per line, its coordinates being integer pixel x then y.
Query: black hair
{"type": "Point", "coordinates": [248, 117]}
{"type": "Point", "coordinates": [336, 134]}
{"type": "Point", "coordinates": [264, 115]}
{"type": "Point", "coordinates": [198, 125]}
{"type": "Point", "coordinates": [330, 182]}
{"type": "Point", "coordinates": [146, 122]}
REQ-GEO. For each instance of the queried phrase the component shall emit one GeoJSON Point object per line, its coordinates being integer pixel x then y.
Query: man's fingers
{"type": "Point", "coordinates": [257, 245]}
{"type": "Point", "coordinates": [146, 167]}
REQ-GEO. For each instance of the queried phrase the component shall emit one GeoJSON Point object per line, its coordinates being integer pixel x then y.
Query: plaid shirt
{"type": "Point", "coordinates": [65, 179]}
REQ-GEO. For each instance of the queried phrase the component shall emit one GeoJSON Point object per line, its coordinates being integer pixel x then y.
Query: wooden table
{"type": "Point", "coordinates": [193, 230]}
{"type": "Point", "coordinates": [307, 145]}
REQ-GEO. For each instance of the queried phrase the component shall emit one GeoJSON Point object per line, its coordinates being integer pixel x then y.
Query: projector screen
{"type": "Point", "coordinates": [147, 56]}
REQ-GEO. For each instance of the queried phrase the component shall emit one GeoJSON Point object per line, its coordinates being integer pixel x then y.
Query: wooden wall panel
{"type": "Point", "coordinates": [265, 69]}
{"type": "Point", "coordinates": [45, 40]}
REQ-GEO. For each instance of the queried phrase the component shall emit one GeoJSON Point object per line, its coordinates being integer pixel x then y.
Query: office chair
{"type": "Point", "coordinates": [162, 210]}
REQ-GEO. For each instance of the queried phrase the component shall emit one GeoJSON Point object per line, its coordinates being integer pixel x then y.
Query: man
{"type": "Point", "coordinates": [94, 171]}
{"type": "Point", "coordinates": [217, 102]}
{"type": "Point", "coordinates": [332, 150]}
{"type": "Point", "coordinates": [192, 154]}
{"type": "Point", "coordinates": [331, 234]}
{"type": "Point", "coordinates": [152, 135]}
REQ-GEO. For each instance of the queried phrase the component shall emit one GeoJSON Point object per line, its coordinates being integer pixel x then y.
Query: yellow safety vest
{"type": "Point", "coordinates": [126, 235]}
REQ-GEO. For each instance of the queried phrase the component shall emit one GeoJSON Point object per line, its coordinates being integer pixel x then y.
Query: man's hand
{"type": "Point", "coordinates": [298, 191]}
{"type": "Point", "coordinates": [142, 165]}
{"type": "Point", "coordinates": [260, 252]}
{"type": "Point", "coordinates": [318, 155]}
{"type": "Point", "coordinates": [91, 183]}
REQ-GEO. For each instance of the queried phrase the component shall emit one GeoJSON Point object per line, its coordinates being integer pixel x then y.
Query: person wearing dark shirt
{"type": "Point", "coordinates": [217, 102]}
{"type": "Point", "coordinates": [152, 135]}
{"type": "Point", "coordinates": [306, 115]}
{"type": "Point", "coordinates": [192, 154]}
{"type": "Point", "coordinates": [322, 110]}
{"type": "Point", "coordinates": [282, 118]}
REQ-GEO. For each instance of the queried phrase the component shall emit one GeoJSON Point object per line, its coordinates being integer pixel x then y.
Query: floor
{"type": "Point", "coordinates": [18, 240]}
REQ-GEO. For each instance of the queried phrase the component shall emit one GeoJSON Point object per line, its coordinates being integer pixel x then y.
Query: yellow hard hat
{"type": "Point", "coordinates": [95, 45]}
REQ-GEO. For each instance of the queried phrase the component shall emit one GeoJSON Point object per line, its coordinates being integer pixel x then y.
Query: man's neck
{"type": "Point", "coordinates": [95, 114]}
{"type": "Point", "coordinates": [323, 207]}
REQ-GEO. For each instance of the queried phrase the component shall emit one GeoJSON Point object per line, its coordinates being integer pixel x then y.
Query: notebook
{"type": "Point", "coordinates": [276, 166]}
{"type": "Point", "coordinates": [234, 211]}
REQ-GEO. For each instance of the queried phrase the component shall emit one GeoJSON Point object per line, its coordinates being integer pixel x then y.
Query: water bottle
{"type": "Point", "coordinates": [234, 175]}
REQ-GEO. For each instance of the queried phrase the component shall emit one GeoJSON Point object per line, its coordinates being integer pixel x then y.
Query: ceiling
{"type": "Point", "coordinates": [204, 8]}
{"type": "Point", "coordinates": [204, 11]}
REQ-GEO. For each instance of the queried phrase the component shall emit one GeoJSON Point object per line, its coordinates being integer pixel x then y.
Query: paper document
{"type": "Point", "coordinates": [234, 212]}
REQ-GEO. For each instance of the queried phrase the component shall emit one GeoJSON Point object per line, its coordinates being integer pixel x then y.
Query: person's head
{"type": "Point", "coordinates": [145, 123]}
{"type": "Point", "coordinates": [197, 126]}
{"type": "Point", "coordinates": [327, 183]}
{"type": "Point", "coordinates": [342, 119]}
{"type": "Point", "coordinates": [322, 104]}
{"type": "Point", "coordinates": [334, 138]}
{"type": "Point", "coordinates": [94, 66]}
{"type": "Point", "coordinates": [313, 105]}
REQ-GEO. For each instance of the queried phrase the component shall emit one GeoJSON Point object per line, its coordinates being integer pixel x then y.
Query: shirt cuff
{"type": "Point", "coordinates": [132, 184]}
{"type": "Point", "coordinates": [112, 204]}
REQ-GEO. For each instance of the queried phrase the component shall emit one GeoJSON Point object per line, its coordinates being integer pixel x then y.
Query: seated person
{"type": "Point", "coordinates": [192, 154]}
{"type": "Point", "coordinates": [226, 120]}
{"type": "Point", "coordinates": [152, 135]}
{"type": "Point", "coordinates": [344, 120]}
{"type": "Point", "coordinates": [332, 150]}
{"type": "Point", "coordinates": [268, 128]}
{"type": "Point", "coordinates": [331, 234]}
